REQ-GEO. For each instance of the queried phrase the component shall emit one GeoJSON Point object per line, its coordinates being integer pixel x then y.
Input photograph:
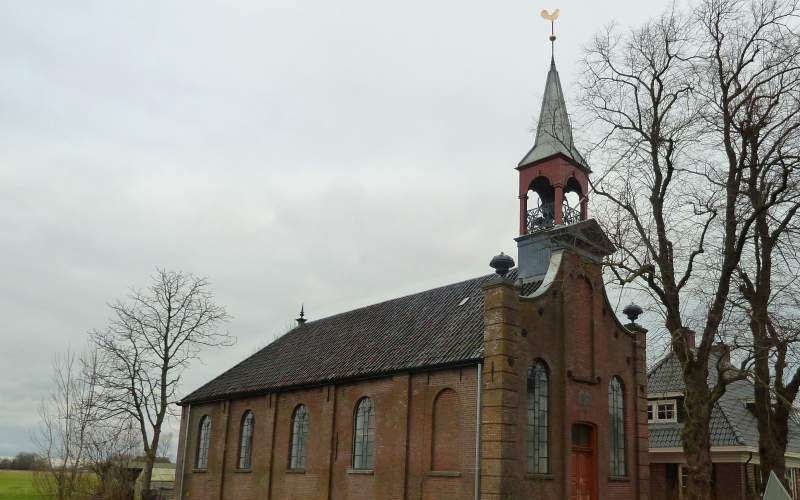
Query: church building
{"type": "Point", "coordinates": [519, 384]}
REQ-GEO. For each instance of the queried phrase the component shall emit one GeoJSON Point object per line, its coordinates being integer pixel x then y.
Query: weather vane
{"type": "Point", "coordinates": [552, 18]}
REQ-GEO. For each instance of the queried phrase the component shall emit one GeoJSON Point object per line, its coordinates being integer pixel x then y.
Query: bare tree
{"type": "Point", "coordinates": [693, 104]}
{"type": "Point", "coordinates": [67, 417]}
{"type": "Point", "coordinates": [149, 342]}
{"type": "Point", "coordinates": [753, 91]}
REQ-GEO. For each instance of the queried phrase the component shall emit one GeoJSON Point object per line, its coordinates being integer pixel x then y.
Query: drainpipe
{"type": "Point", "coordinates": [185, 448]}
{"type": "Point", "coordinates": [226, 408]}
{"type": "Point", "coordinates": [478, 433]}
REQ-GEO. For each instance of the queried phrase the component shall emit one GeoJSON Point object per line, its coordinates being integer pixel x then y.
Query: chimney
{"type": "Point", "coordinates": [691, 342]}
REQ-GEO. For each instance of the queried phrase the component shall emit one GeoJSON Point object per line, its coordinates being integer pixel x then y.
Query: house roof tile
{"type": "Point", "coordinates": [732, 423]}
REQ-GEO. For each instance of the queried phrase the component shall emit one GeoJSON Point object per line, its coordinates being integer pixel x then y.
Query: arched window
{"type": "Point", "coordinates": [297, 453]}
{"type": "Point", "coordinates": [203, 437]}
{"type": "Point", "coordinates": [538, 435]}
{"type": "Point", "coordinates": [445, 432]}
{"type": "Point", "coordinates": [364, 435]}
{"type": "Point", "coordinates": [246, 440]}
{"type": "Point", "coordinates": [616, 417]}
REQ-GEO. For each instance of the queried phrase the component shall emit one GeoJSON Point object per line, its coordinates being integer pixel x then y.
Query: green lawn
{"type": "Point", "coordinates": [17, 485]}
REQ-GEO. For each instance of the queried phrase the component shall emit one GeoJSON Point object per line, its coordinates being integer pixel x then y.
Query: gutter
{"type": "Point", "coordinates": [478, 433]}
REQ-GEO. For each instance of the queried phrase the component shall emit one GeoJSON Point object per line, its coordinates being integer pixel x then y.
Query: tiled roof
{"type": "Point", "coordinates": [732, 424]}
{"type": "Point", "coordinates": [438, 327]}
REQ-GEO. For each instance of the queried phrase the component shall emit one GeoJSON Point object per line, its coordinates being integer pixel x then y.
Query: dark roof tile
{"type": "Point", "coordinates": [431, 328]}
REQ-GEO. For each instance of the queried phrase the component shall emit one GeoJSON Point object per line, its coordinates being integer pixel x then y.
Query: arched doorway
{"type": "Point", "coordinates": [583, 465]}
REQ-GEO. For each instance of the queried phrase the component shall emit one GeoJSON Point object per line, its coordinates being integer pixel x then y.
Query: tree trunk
{"type": "Point", "coordinates": [147, 474]}
{"type": "Point", "coordinates": [773, 435]}
{"type": "Point", "coordinates": [697, 433]}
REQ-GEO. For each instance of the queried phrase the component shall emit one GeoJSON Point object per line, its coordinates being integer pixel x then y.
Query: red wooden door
{"type": "Point", "coordinates": [583, 483]}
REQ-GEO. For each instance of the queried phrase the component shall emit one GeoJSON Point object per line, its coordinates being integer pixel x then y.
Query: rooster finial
{"type": "Point", "coordinates": [552, 18]}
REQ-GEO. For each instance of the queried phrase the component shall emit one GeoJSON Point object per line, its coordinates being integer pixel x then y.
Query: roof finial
{"type": "Point", "coordinates": [302, 319]}
{"type": "Point", "coordinates": [552, 18]}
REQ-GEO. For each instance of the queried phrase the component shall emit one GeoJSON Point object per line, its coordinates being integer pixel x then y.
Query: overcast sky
{"type": "Point", "coordinates": [331, 153]}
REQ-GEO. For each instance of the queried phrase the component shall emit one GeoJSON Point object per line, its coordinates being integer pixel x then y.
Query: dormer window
{"type": "Point", "coordinates": [662, 411]}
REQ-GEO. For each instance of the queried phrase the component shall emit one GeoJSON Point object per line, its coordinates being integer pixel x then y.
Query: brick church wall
{"type": "Point", "coordinates": [573, 330]}
{"type": "Point", "coordinates": [404, 434]}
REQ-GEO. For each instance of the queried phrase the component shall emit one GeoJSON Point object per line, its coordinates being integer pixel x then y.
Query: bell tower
{"type": "Point", "coordinates": [553, 189]}
{"type": "Point", "coordinates": [553, 168]}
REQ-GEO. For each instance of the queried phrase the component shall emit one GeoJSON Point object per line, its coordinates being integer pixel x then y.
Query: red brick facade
{"type": "Point", "coordinates": [572, 328]}
{"type": "Point", "coordinates": [404, 410]}
{"type": "Point", "coordinates": [425, 422]}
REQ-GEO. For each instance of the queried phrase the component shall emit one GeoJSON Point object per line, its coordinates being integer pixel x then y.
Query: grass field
{"type": "Point", "coordinates": [17, 485]}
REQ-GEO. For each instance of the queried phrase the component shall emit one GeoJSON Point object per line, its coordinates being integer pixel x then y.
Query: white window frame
{"type": "Point", "coordinates": [654, 403]}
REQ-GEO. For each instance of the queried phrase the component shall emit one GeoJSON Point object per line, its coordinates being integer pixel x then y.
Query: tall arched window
{"type": "Point", "coordinates": [364, 435]}
{"type": "Point", "coordinates": [203, 437]}
{"type": "Point", "coordinates": [445, 456]}
{"type": "Point", "coordinates": [616, 417]}
{"type": "Point", "coordinates": [246, 440]}
{"type": "Point", "coordinates": [297, 453]}
{"type": "Point", "coordinates": [538, 435]}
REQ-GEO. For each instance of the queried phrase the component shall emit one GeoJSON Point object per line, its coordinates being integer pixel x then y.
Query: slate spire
{"type": "Point", "coordinates": [554, 132]}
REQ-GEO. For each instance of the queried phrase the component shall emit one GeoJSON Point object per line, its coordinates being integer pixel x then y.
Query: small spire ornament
{"type": "Point", "coordinates": [302, 319]}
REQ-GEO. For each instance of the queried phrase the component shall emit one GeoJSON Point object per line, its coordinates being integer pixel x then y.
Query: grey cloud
{"type": "Point", "coordinates": [331, 153]}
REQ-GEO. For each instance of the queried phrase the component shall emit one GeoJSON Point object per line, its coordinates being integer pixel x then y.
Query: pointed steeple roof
{"type": "Point", "coordinates": [554, 133]}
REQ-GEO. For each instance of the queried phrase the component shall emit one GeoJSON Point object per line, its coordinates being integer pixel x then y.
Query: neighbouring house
{"type": "Point", "coordinates": [734, 448]}
{"type": "Point", "coordinates": [519, 384]}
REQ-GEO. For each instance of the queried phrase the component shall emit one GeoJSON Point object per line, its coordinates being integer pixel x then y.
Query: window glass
{"type": "Point", "coordinates": [662, 411]}
{"type": "Point", "coordinates": [616, 416]}
{"type": "Point", "coordinates": [364, 435]}
{"type": "Point", "coordinates": [203, 438]}
{"type": "Point", "coordinates": [538, 429]}
{"type": "Point", "coordinates": [581, 435]}
{"type": "Point", "coordinates": [246, 440]}
{"type": "Point", "coordinates": [297, 453]}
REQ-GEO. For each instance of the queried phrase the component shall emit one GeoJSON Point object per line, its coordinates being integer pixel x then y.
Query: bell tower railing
{"type": "Point", "coordinates": [543, 217]}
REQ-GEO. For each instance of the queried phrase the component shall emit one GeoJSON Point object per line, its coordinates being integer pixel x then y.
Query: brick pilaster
{"type": "Point", "coordinates": [500, 398]}
{"type": "Point", "coordinates": [642, 438]}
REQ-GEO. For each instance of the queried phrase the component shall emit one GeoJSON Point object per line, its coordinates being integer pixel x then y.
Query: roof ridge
{"type": "Point", "coordinates": [413, 294]}
{"type": "Point", "coordinates": [659, 364]}
{"type": "Point", "coordinates": [735, 431]}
